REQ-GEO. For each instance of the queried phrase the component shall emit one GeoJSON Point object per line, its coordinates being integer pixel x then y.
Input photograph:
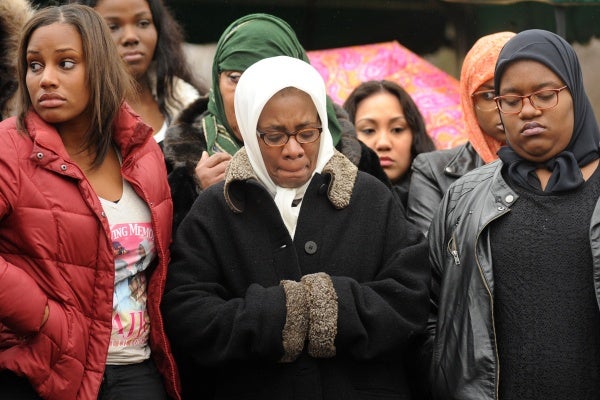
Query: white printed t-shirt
{"type": "Point", "coordinates": [133, 247]}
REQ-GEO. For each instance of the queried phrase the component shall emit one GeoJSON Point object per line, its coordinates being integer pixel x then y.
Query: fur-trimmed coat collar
{"type": "Point", "coordinates": [342, 171]}
{"type": "Point", "coordinates": [13, 15]}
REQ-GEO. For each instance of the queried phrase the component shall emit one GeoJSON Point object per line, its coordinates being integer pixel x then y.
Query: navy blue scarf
{"type": "Point", "coordinates": [557, 54]}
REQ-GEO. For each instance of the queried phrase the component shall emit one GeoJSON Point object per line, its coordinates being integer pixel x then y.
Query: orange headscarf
{"type": "Point", "coordinates": [477, 68]}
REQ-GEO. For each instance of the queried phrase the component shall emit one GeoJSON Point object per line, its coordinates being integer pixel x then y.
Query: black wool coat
{"type": "Point", "coordinates": [229, 308]}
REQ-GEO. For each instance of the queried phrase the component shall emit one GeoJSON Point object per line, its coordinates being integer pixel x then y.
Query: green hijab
{"type": "Point", "coordinates": [246, 41]}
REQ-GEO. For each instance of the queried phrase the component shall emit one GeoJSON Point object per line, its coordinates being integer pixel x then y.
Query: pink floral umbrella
{"type": "Point", "coordinates": [435, 92]}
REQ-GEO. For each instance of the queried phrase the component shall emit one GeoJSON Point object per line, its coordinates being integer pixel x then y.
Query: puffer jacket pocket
{"type": "Point", "coordinates": [54, 347]}
{"type": "Point", "coordinates": [54, 334]}
{"type": "Point", "coordinates": [35, 355]}
{"type": "Point", "coordinates": [8, 338]}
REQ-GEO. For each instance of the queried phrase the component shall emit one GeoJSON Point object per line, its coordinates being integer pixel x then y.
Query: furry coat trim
{"type": "Point", "coordinates": [13, 15]}
{"type": "Point", "coordinates": [185, 142]}
{"type": "Point", "coordinates": [342, 171]}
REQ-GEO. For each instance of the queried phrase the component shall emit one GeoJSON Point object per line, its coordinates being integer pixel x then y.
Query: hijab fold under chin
{"type": "Point", "coordinates": [555, 53]}
{"type": "Point", "coordinates": [258, 84]}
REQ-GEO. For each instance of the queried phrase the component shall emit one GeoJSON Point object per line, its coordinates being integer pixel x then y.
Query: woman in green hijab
{"type": "Point", "coordinates": [200, 143]}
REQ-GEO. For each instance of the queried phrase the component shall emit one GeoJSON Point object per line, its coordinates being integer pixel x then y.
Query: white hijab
{"type": "Point", "coordinates": [257, 85]}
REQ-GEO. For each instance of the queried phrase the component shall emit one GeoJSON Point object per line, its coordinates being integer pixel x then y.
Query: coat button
{"type": "Point", "coordinates": [310, 247]}
{"type": "Point", "coordinates": [63, 167]}
{"type": "Point", "coordinates": [40, 156]}
{"type": "Point", "coordinates": [509, 198]}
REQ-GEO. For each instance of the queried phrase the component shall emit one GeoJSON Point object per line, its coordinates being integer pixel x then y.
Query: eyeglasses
{"type": "Point", "coordinates": [540, 100]}
{"type": "Point", "coordinates": [278, 139]}
{"type": "Point", "coordinates": [484, 100]}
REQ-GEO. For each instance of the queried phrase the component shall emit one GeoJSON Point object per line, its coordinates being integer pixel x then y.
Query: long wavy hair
{"type": "Point", "coordinates": [169, 58]}
{"type": "Point", "coordinates": [107, 76]}
{"type": "Point", "coordinates": [421, 142]}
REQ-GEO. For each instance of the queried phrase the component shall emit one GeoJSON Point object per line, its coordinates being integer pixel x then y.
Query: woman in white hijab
{"type": "Point", "coordinates": [298, 277]}
{"type": "Point", "coordinates": [249, 103]}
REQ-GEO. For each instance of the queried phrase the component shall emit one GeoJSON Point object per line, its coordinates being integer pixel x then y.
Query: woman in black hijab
{"type": "Point", "coordinates": [557, 55]}
{"type": "Point", "coordinates": [515, 252]}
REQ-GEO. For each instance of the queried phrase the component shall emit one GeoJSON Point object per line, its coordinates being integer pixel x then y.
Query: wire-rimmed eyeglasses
{"type": "Point", "coordinates": [280, 138]}
{"type": "Point", "coordinates": [540, 100]}
{"type": "Point", "coordinates": [484, 100]}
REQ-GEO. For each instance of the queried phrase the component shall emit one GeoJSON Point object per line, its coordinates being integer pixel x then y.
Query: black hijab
{"type": "Point", "coordinates": [557, 54]}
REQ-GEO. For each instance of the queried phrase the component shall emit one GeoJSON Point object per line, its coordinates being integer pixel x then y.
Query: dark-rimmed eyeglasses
{"type": "Point", "coordinates": [540, 100]}
{"type": "Point", "coordinates": [484, 100]}
{"type": "Point", "coordinates": [280, 138]}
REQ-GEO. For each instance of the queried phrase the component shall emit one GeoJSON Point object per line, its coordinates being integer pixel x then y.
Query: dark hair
{"type": "Point", "coordinates": [169, 58]}
{"type": "Point", "coordinates": [107, 76]}
{"type": "Point", "coordinates": [421, 142]}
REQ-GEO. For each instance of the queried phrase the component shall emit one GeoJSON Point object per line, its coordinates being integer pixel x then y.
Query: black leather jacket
{"type": "Point", "coordinates": [461, 327]}
{"type": "Point", "coordinates": [432, 174]}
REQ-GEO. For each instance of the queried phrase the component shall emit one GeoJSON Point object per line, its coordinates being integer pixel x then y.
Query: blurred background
{"type": "Point", "coordinates": [441, 31]}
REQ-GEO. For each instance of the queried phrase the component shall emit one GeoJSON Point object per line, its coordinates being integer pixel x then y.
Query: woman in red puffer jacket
{"type": "Point", "coordinates": [85, 224]}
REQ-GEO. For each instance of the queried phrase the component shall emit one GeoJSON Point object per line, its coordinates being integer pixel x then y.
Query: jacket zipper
{"type": "Point", "coordinates": [485, 283]}
{"type": "Point", "coordinates": [154, 220]}
{"type": "Point", "coordinates": [453, 250]}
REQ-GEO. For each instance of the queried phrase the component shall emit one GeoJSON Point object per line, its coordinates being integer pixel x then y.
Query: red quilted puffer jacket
{"type": "Point", "coordinates": [55, 249]}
